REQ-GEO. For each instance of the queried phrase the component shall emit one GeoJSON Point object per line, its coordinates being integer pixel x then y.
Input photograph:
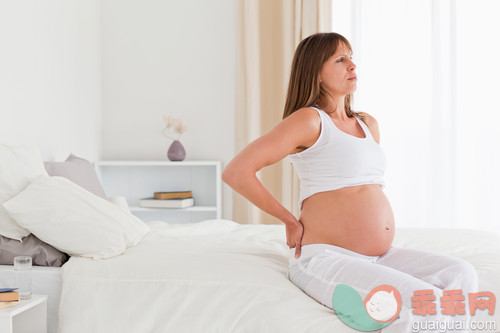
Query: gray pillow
{"type": "Point", "coordinates": [79, 171]}
{"type": "Point", "coordinates": [42, 254]}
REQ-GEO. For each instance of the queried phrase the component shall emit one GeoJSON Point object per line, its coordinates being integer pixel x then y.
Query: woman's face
{"type": "Point", "coordinates": [338, 75]}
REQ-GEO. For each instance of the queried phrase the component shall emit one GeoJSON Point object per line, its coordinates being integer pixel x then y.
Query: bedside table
{"type": "Point", "coordinates": [28, 316]}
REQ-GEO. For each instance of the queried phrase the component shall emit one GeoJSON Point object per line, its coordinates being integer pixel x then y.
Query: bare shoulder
{"type": "Point", "coordinates": [305, 120]}
{"type": "Point", "coordinates": [372, 124]}
{"type": "Point", "coordinates": [369, 119]}
{"type": "Point", "coordinates": [301, 129]}
{"type": "Point", "coordinates": [305, 115]}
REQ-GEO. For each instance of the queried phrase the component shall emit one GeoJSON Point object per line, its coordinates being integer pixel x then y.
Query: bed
{"type": "Point", "coordinates": [220, 276]}
{"type": "Point", "coordinates": [217, 276]}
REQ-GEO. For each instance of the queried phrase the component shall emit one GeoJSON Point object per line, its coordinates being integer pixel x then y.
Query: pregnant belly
{"type": "Point", "coordinates": [357, 218]}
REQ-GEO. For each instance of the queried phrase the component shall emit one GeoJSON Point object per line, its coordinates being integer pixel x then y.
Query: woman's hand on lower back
{"type": "Point", "coordinates": [294, 233]}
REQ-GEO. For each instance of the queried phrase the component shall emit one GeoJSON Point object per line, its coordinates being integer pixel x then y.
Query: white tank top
{"type": "Point", "coordinates": [338, 160]}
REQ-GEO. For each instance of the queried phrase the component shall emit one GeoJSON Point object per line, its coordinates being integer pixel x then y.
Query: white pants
{"type": "Point", "coordinates": [321, 267]}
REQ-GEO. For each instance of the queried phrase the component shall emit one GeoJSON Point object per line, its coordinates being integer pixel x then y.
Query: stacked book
{"type": "Point", "coordinates": [180, 199]}
{"type": "Point", "coordinates": [8, 297]}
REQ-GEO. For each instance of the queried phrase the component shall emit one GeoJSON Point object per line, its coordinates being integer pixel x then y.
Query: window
{"type": "Point", "coordinates": [427, 70]}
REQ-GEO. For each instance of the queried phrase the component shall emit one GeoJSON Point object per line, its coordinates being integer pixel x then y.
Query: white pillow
{"type": "Point", "coordinates": [73, 220]}
{"type": "Point", "coordinates": [19, 165]}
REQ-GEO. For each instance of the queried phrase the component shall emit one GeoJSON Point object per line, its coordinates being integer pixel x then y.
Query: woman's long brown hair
{"type": "Point", "coordinates": [304, 88]}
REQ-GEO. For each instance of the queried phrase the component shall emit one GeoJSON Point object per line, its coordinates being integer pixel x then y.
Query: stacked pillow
{"type": "Point", "coordinates": [42, 254]}
{"type": "Point", "coordinates": [59, 211]}
{"type": "Point", "coordinates": [18, 168]}
{"type": "Point", "coordinates": [78, 170]}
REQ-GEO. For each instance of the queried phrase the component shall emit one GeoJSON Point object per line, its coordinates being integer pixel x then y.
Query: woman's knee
{"type": "Point", "coordinates": [463, 276]}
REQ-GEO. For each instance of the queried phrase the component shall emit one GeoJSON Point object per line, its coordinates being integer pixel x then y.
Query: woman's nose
{"type": "Point", "coordinates": [352, 66]}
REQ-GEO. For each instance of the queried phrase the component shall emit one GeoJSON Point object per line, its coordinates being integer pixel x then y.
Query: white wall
{"type": "Point", "coordinates": [174, 58]}
{"type": "Point", "coordinates": [50, 93]}
{"type": "Point", "coordinates": [94, 78]}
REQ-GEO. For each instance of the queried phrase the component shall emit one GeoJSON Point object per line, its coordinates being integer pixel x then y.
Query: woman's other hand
{"type": "Point", "coordinates": [294, 233]}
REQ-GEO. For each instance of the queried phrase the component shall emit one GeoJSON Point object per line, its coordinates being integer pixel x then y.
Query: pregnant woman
{"type": "Point", "coordinates": [346, 227]}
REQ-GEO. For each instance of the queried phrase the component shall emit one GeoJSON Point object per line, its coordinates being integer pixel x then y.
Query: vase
{"type": "Point", "coordinates": [176, 151]}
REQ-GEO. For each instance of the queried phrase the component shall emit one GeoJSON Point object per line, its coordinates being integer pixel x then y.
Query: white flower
{"type": "Point", "coordinates": [176, 125]}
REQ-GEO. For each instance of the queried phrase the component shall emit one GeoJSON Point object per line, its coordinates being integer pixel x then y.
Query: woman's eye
{"type": "Point", "coordinates": [340, 60]}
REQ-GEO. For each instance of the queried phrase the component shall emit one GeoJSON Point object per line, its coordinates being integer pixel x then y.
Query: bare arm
{"type": "Point", "coordinates": [302, 128]}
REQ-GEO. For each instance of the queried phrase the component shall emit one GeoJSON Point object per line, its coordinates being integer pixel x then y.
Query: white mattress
{"type": "Point", "coordinates": [45, 281]}
{"type": "Point", "coordinates": [218, 276]}
{"type": "Point", "coordinates": [212, 276]}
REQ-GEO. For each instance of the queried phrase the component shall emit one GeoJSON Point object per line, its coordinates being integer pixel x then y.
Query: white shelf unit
{"type": "Point", "coordinates": [136, 180]}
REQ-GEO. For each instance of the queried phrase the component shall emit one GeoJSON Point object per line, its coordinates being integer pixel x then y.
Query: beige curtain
{"type": "Point", "coordinates": [270, 30]}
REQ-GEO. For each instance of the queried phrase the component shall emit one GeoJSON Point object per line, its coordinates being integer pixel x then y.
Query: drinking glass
{"type": "Point", "coordinates": [22, 276]}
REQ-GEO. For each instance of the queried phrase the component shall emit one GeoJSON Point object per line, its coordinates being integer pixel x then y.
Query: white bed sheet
{"type": "Point", "coordinates": [45, 281]}
{"type": "Point", "coordinates": [213, 276]}
{"type": "Point", "coordinates": [219, 276]}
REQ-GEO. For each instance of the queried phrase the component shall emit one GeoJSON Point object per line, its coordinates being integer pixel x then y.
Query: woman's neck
{"type": "Point", "coordinates": [334, 107]}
